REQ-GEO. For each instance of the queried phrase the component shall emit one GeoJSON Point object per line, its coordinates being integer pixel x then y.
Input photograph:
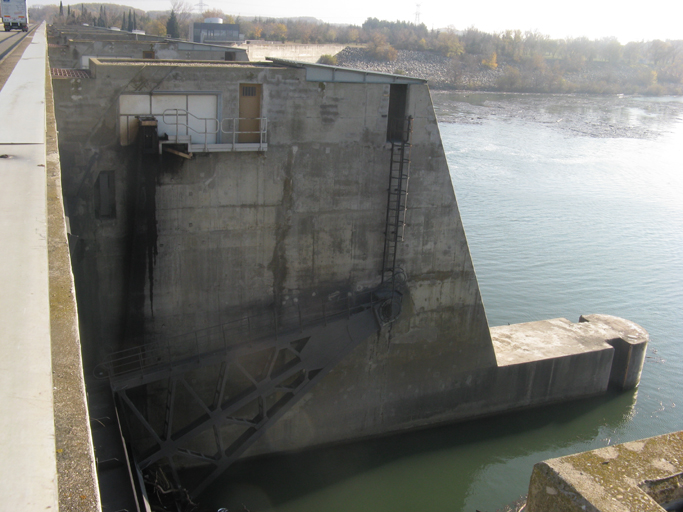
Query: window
{"type": "Point", "coordinates": [187, 115]}
{"type": "Point", "coordinates": [398, 94]}
{"type": "Point", "coordinates": [248, 90]}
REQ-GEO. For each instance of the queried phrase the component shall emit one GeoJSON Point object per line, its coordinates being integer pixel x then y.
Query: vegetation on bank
{"type": "Point", "coordinates": [522, 61]}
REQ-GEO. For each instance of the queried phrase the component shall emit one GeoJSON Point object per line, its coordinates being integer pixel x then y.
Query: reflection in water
{"type": "Point", "coordinates": [425, 470]}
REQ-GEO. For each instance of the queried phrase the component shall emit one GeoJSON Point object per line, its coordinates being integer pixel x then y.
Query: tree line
{"type": "Point", "coordinates": [527, 60]}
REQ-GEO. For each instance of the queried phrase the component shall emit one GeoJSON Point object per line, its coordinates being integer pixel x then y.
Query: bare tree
{"type": "Point", "coordinates": [183, 12]}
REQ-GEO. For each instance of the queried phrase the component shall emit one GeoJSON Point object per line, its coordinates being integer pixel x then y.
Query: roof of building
{"type": "Point", "coordinates": [70, 73]}
{"type": "Point", "coordinates": [325, 73]}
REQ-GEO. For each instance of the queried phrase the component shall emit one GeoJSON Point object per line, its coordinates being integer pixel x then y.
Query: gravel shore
{"type": "Point", "coordinates": [445, 73]}
{"type": "Point", "coordinates": [439, 70]}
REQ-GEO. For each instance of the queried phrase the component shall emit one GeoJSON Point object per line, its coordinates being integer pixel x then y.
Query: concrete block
{"type": "Point", "coordinates": [643, 476]}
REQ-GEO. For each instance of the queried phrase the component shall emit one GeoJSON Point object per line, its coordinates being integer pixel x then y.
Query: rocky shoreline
{"type": "Point", "coordinates": [426, 65]}
{"type": "Point", "coordinates": [453, 74]}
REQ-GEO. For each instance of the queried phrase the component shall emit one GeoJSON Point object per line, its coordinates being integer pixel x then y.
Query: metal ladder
{"type": "Point", "coordinates": [399, 174]}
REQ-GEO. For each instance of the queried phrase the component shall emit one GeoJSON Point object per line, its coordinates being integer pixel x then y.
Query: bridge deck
{"type": "Point", "coordinates": [33, 283]}
{"type": "Point", "coordinates": [29, 475]}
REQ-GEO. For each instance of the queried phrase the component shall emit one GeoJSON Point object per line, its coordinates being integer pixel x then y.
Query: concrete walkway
{"type": "Point", "coordinates": [28, 476]}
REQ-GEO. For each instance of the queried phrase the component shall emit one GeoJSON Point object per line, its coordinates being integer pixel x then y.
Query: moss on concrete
{"type": "Point", "coordinates": [611, 479]}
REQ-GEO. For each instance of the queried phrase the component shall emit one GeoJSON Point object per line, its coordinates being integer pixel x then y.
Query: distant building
{"type": "Point", "coordinates": [214, 30]}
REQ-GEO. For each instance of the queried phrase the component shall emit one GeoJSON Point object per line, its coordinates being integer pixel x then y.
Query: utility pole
{"type": "Point", "coordinates": [417, 13]}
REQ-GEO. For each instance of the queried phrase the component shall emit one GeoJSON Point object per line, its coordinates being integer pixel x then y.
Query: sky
{"type": "Point", "coordinates": [595, 19]}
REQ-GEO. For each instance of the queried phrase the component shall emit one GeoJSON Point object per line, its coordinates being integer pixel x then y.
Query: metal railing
{"type": "Point", "coordinates": [237, 136]}
{"type": "Point", "coordinates": [235, 133]}
{"type": "Point", "coordinates": [285, 317]}
{"type": "Point", "coordinates": [203, 129]}
{"type": "Point", "coordinates": [177, 114]}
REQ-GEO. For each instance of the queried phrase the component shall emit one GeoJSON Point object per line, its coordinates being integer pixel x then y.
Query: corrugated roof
{"type": "Point", "coordinates": [325, 73]}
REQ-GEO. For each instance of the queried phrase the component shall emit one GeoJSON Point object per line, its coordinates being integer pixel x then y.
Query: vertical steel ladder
{"type": "Point", "coordinates": [399, 174]}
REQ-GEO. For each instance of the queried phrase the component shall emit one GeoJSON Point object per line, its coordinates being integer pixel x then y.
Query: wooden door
{"type": "Point", "coordinates": [250, 113]}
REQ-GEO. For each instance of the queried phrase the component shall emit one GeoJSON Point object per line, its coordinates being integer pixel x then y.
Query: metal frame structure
{"type": "Point", "coordinates": [228, 126]}
{"type": "Point", "coordinates": [257, 377]}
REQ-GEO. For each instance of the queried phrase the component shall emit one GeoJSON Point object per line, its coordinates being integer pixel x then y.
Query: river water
{"type": "Point", "coordinates": [572, 205]}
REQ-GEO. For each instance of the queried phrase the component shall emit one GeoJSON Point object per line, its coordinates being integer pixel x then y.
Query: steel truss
{"type": "Point", "coordinates": [172, 414]}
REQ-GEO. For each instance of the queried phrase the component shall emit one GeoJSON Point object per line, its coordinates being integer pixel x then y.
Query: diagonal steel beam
{"type": "Point", "coordinates": [315, 351]}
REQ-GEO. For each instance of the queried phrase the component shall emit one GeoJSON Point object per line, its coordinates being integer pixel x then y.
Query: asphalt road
{"type": "Point", "coordinates": [9, 40]}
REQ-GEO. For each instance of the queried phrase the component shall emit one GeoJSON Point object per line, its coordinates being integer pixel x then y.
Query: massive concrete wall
{"type": "Point", "coordinates": [299, 52]}
{"type": "Point", "coordinates": [230, 233]}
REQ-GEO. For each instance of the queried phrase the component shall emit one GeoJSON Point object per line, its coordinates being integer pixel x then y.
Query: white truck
{"type": "Point", "coordinates": [14, 15]}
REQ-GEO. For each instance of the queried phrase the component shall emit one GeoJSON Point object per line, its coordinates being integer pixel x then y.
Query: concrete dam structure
{"type": "Point", "coordinates": [269, 257]}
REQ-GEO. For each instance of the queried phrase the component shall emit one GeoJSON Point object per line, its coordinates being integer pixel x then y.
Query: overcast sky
{"type": "Point", "coordinates": [628, 21]}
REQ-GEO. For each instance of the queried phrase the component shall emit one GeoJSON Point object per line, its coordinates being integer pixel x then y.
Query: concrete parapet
{"type": "Point", "coordinates": [645, 475]}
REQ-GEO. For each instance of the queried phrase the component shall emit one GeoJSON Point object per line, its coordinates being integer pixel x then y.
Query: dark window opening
{"type": "Point", "coordinates": [248, 90]}
{"type": "Point", "coordinates": [105, 196]}
{"type": "Point", "coordinates": [396, 123]}
{"type": "Point", "coordinates": [230, 56]}
{"type": "Point", "coordinates": [148, 54]}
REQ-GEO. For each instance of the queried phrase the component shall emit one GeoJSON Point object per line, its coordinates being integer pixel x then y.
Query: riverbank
{"type": "Point", "coordinates": [548, 76]}
{"type": "Point", "coordinates": [621, 116]}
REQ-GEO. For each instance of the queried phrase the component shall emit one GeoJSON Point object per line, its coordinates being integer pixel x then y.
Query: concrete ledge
{"type": "Point", "coordinates": [534, 342]}
{"type": "Point", "coordinates": [645, 475]}
{"type": "Point", "coordinates": [77, 476]}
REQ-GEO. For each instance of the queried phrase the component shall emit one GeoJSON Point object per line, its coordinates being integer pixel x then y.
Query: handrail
{"type": "Point", "coordinates": [212, 126]}
{"type": "Point", "coordinates": [219, 126]}
{"type": "Point", "coordinates": [179, 112]}
{"type": "Point", "coordinates": [236, 132]}
{"type": "Point", "coordinates": [291, 316]}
